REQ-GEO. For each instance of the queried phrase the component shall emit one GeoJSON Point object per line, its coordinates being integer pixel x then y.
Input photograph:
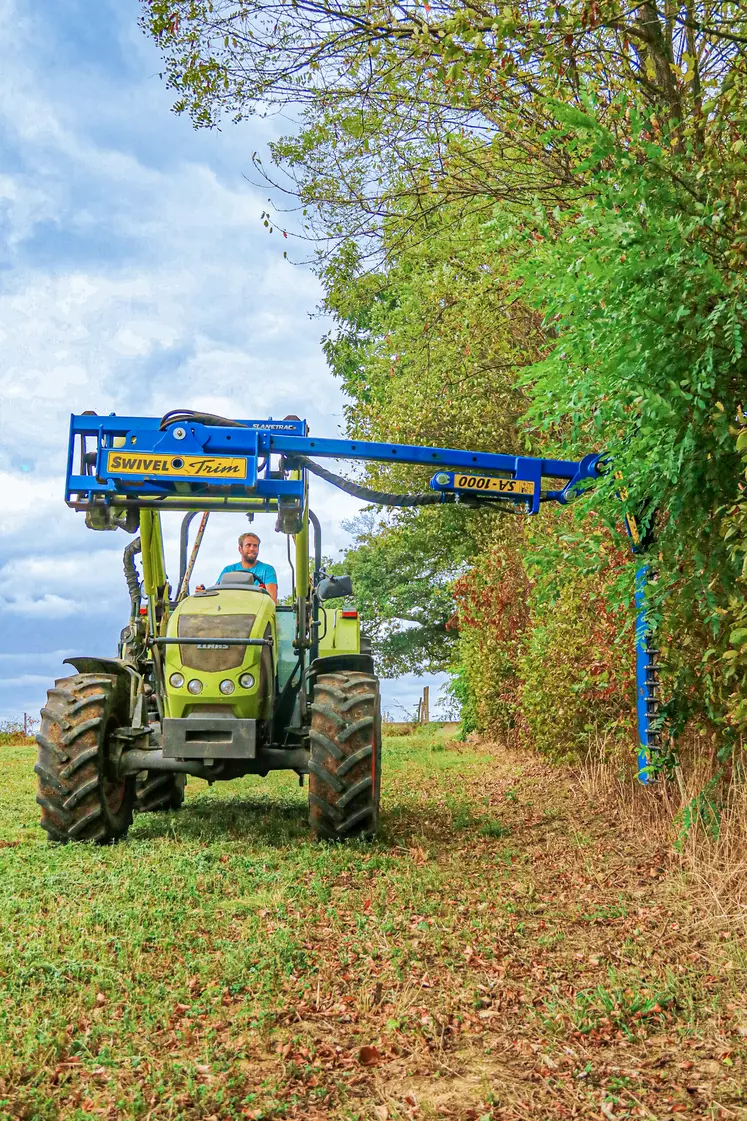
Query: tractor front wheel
{"type": "Point", "coordinates": [159, 790]}
{"type": "Point", "coordinates": [80, 794]}
{"type": "Point", "coordinates": [345, 763]}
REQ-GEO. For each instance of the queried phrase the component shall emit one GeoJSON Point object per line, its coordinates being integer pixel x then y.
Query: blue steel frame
{"type": "Point", "coordinates": [257, 441]}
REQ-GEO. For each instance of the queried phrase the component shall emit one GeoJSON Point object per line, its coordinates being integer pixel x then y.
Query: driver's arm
{"type": "Point", "coordinates": [273, 590]}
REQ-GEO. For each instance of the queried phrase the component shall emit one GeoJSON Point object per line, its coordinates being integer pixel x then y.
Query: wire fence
{"type": "Point", "coordinates": [26, 726]}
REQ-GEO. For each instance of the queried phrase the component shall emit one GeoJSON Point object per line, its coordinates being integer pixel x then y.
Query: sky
{"type": "Point", "coordinates": [136, 276]}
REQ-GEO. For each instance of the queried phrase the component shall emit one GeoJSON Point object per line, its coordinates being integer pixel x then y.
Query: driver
{"type": "Point", "coordinates": [249, 552]}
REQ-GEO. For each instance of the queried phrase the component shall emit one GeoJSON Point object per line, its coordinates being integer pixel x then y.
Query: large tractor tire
{"type": "Point", "coordinates": [159, 790]}
{"type": "Point", "coordinates": [80, 797]}
{"type": "Point", "coordinates": [345, 763]}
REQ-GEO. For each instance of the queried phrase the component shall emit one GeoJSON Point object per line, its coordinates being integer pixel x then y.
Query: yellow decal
{"type": "Point", "coordinates": [487, 482]}
{"type": "Point", "coordinates": [632, 525]}
{"type": "Point", "coordinates": [176, 466]}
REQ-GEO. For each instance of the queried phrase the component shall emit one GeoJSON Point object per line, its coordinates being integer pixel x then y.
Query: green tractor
{"type": "Point", "coordinates": [217, 683]}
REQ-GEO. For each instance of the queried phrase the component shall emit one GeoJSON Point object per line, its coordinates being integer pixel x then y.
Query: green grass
{"type": "Point", "coordinates": [217, 964]}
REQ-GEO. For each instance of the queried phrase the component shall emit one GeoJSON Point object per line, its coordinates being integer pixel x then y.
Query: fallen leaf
{"type": "Point", "coordinates": [369, 1056]}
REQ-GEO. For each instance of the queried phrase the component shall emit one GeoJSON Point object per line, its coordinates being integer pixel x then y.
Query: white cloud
{"type": "Point", "coordinates": [18, 660]}
{"type": "Point", "coordinates": [47, 606]}
{"type": "Point", "coordinates": [137, 278]}
{"type": "Point", "coordinates": [35, 680]}
{"type": "Point", "coordinates": [54, 571]}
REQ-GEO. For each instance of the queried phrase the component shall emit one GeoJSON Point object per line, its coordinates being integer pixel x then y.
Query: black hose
{"type": "Point", "coordinates": [133, 584]}
{"type": "Point", "coordinates": [187, 415]}
{"type": "Point", "coordinates": [382, 498]}
{"type": "Point", "coordinates": [183, 543]}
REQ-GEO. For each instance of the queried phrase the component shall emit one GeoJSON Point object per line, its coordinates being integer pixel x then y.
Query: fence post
{"type": "Point", "coordinates": [25, 724]}
{"type": "Point", "coordinates": [426, 705]}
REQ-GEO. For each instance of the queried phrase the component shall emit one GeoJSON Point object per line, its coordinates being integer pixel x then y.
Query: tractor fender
{"type": "Point", "coordinates": [126, 680]}
{"type": "Point", "coordinates": [337, 663]}
{"type": "Point", "coordinates": [101, 665]}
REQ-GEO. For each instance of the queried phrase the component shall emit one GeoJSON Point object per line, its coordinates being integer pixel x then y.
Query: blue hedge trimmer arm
{"type": "Point", "coordinates": [136, 460]}
{"type": "Point", "coordinates": [192, 461]}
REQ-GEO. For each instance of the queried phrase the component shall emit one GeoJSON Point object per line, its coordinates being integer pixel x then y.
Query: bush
{"type": "Point", "coordinates": [492, 617]}
{"type": "Point", "coordinates": [11, 731]}
{"type": "Point", "coordinates": [578, 673]}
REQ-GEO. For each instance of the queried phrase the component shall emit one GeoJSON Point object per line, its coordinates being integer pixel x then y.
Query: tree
{"type": "Point", "coordinates": [532, 233]}
{"type": "Point", "coordinates": [407, 107]}
{"type": "Point", "coordinates": [402, 572]}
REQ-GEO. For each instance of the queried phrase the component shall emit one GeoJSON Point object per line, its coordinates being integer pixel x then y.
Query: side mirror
{"type": "Point", "coordinates": [335, 587]}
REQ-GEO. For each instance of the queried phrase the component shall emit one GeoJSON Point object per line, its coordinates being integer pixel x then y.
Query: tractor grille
{"type": "Point", "coordinates": [211, 657]}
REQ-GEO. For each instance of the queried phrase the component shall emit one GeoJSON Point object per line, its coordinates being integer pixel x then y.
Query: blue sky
{"type": "Point", "coordinates": [136, 276]}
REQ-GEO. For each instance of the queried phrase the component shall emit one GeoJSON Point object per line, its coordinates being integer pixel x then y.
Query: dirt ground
{"type": "Point", "coordinates": [519, 944]}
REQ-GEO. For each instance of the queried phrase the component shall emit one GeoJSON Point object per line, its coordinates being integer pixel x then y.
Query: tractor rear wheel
{"type": "Point", "coordinates": [80, 795]}
{"type": "Point", "coordinates": [159, 790]}
{"type": "Point", "coordinates": [345, 762]}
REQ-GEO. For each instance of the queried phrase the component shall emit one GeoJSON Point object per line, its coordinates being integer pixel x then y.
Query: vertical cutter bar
{"type": "Point", "coordinates": [647, 679]}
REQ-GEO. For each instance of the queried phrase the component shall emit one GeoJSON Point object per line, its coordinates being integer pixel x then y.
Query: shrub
{"type": "Point", "coordinates": [492, 616]}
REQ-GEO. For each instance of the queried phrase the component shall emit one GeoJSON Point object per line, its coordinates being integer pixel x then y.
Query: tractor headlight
{"type": "Point", "coordinates": [176, 680]}
{"type": "Point", "coordinates": [246, 681]}
{"type": "Point", "coordinates": [195, 686]}
{"type": "Point", "coordinates": [227, 686]}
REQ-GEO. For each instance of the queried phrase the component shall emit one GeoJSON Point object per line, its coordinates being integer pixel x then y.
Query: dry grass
{"type": "Point", "coordinates": [517, 946]}
{"type": "Point", "coordinates": [699, 824]}
{"type": "Point", "coordinates": [12, 734]}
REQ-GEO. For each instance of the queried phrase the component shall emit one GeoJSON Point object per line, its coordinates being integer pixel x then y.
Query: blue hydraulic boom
{"type": "Point", "coordinates": [188, 462]}
{"type": "Point", "coordinates": [195, 461]}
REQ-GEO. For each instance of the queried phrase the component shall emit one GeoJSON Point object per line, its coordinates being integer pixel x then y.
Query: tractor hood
{"type": "Point", "coordinates": [211, 671]}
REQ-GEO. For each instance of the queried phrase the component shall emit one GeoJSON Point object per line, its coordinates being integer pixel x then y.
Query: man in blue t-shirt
{"type": "Point", "coordinates": [249, 551]}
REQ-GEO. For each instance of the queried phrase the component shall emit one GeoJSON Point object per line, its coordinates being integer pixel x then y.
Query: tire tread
{"type": "Point", "coordinates": [71, 768]}
{"type": "Point", "coordinates": [345, 763]}
{"type": "Point", "coordinates": [159, 790]}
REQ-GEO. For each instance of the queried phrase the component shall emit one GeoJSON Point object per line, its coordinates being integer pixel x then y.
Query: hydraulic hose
{"type": "Point", "coordinates": [133, 584]}
{"type": "Point", "coordinates": [187, 415]}
{"type": "Point", "coordinates": [184, 542]}
{"type": "Point", "coordinates": [367, 494]}
{"type": "Point", "coordinates": [382, 498]}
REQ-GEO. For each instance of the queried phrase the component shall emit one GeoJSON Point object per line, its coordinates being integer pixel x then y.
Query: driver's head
{"type": "Point", "coordinates": [249, 548]}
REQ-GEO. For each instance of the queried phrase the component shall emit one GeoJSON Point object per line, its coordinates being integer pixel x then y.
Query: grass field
{"type": "Point", "coordinates": [507, 949]}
